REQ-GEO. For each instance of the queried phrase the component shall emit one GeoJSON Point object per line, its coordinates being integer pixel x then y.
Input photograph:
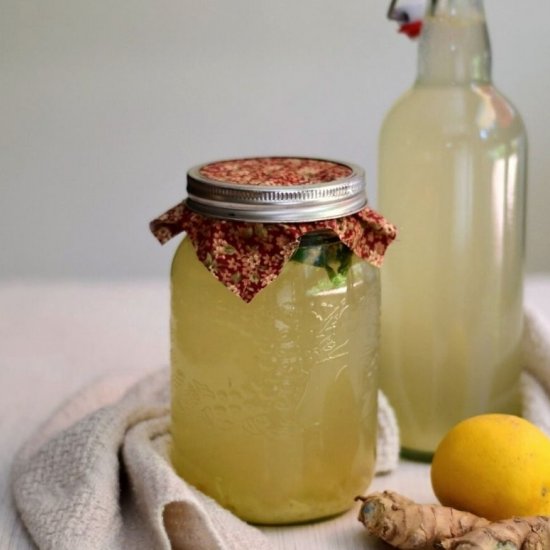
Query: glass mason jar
{"type": "Point", "coordinates": [274, 396]}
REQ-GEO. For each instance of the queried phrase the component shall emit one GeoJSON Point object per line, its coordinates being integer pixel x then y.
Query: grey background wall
{"type": "Point", "coordinates": [104, 105]}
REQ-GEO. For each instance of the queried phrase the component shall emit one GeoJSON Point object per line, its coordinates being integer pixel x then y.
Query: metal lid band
{"type": "Point", "coordinates": [290, 203]}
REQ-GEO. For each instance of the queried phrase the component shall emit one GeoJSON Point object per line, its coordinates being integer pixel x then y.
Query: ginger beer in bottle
{"type": "Point", "coordinates": [452, 167]}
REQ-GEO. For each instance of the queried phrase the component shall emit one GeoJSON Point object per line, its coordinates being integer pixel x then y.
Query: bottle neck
{"type": "Point", "coordinates": [454, 46]}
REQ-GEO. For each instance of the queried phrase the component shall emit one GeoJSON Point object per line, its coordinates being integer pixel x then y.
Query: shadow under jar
{"type": "Point", "coordinates": [274, 358]}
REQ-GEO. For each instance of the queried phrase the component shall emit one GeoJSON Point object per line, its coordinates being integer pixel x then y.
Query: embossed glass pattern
{"type": "Point", "coordinates": [274, 402]}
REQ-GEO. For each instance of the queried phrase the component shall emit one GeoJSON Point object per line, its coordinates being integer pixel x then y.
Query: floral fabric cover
{"type": "Point", "coordinates": [247, 256]}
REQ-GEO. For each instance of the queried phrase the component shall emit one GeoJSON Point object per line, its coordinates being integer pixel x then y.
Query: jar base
{"type": "Point", "coordinates": [306, 520]}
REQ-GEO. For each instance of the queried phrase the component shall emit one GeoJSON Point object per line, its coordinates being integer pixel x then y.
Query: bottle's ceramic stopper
{"type": "Point", "coordinates": [409, 14]}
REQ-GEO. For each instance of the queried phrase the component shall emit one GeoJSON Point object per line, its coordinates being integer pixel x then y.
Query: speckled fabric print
{"type": "Point", "coordinates": [247, 256]}
{"type": "Point", "coordinates": [275, 171]}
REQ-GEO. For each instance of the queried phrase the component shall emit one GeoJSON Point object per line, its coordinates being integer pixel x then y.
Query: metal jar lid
{"type": "Point", "coordinates": [276, 189]}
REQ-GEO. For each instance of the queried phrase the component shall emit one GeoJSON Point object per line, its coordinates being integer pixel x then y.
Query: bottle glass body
{"type": "Point", "coordinates": [274, 402]}
{"type": "Point", "coordinates": [452, 177]}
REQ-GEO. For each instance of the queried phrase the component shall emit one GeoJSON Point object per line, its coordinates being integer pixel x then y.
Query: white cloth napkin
{"type": "Point", "coordinates": [535, 382]}
{"type": "Point", "coordinates": [96, 475]}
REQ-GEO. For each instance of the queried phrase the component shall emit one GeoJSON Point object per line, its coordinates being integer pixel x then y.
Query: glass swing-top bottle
{"type": "Point", "coordinates": [452, 167]}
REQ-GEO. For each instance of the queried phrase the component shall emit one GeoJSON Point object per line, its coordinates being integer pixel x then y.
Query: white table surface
{"type": "Point", "coordinates": [57, 337]}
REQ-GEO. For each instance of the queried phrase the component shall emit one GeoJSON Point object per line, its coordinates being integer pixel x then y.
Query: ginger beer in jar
{"type": "Point", "coordinates": [274, 331]}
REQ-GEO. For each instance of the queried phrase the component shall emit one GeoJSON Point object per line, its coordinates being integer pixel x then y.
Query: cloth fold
{"type": "Point", "coordinates": [96, 476]}
{"type": "Point", "coordinates": [535, 382]}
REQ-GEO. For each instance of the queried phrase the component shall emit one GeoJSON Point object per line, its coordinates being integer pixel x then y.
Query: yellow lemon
{"type": "Point", "coordinates": [494, 465]}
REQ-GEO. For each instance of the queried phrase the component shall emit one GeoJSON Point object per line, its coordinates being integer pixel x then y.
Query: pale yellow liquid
{"type": "Point", "coordinates": [274, 402]}
{"type": "Point", "coordinates": [451, 177]}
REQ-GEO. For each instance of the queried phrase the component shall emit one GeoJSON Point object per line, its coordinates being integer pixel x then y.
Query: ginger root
{"type": "Point", "coordinates": [404, 524]}
{"type": "Point", "coordinates": [525, 533]}
{"type": "Point", "coordinates": [407, 525]}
